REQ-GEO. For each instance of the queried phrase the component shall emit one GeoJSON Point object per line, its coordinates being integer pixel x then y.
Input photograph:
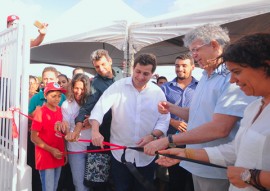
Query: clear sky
{"type": "Point", "coordinates": [49, 10]}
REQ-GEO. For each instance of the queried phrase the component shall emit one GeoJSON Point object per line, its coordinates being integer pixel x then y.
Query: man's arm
{"type": "Point", "coordinates": [87, 107]}
{"type": "Point", "coordinates": [165, 107]}
{"type": "Point", "coordinates": [219, 127]}
{"type": "Point", "coordinates": [97, 138]}
{"type": "Point", "coordinates": [42, 32]}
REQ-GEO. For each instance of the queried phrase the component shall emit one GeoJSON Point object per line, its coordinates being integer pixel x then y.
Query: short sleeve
{"type": "Point", "coordinates": [37, 119]}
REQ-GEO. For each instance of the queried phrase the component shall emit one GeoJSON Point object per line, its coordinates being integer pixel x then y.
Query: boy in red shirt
{"type": "Point", "coordinates": [49, 144]}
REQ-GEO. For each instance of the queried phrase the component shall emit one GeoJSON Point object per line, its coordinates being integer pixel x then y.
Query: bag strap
{"type": "Point", "coordinates": [148, 185]}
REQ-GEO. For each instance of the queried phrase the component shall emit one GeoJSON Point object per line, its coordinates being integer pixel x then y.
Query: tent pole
{"type": "Point", "coordinates": [129, 61]}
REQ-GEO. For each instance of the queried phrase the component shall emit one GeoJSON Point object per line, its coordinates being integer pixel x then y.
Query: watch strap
{"type": "Point", "coordinates": [154, 136]}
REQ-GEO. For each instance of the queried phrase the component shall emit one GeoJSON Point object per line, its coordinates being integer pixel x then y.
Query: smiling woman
{"type": "Point", "coordinates": [249, 64]}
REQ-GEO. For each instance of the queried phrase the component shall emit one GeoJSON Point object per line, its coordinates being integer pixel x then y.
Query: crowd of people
{"type": "Point", "coordinates": [221, 118]}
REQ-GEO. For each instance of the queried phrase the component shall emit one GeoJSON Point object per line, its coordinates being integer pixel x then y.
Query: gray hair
{"type": "Point", "coordinates": [207, 33]}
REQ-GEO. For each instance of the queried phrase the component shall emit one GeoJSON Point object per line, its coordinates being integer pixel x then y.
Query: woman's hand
{"type": "Point", "coordinates": [234, 176]}
{"type": "Point", "coordinates": [72, 136]}
{"type": "Point", "coordinates": [166, 161]}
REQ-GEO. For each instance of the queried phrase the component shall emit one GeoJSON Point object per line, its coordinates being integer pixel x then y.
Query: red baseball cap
{"type": "Point", "coordinates": [11, 18]}
{"type": "Point", "coordinates": [53, 86]}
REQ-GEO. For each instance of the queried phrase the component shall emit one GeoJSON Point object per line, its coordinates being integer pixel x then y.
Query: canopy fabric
{"type": "Point", "coordinates": [124, 38]}
{"type": "Point", "coordinates": [163, 35]}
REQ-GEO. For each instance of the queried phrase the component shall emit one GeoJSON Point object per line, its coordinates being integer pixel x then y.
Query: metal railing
{"type": "Point", "coordinates": [14, 61]}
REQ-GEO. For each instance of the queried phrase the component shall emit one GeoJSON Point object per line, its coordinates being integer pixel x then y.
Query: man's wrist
{"type": "Point", "coordinates": [154, 136]}
{"type": "Point", "coordinates": [171, 142]}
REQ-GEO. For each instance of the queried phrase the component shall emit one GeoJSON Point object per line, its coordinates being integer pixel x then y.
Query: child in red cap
{"type": "Point", "coordinates": [49, 146]}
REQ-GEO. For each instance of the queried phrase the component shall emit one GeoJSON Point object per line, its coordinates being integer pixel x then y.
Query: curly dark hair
{"type": "Point", "coordinates": [250, 51]}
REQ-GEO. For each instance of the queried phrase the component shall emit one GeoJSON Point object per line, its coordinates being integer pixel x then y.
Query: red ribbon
{"type": "Point", "coordinates": [112, 146]}
{"type": "Point", "coordinates": [115, 147]}
{"type": "Point", "coordinates": [15, 133]}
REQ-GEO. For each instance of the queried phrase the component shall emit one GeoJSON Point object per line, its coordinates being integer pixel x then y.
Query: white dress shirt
{"type": "Point", "coordinates": [134, 115]}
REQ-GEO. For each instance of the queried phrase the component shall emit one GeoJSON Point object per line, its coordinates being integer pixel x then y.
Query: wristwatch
{"type": "Point", "coordinates": [171, 144]}
{"type": "Point", "coordinates": [246, 176]}
{"type": "Point", "coordinates": [154, 136]}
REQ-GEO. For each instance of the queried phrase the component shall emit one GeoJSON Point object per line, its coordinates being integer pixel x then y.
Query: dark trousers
{"type": "Point", "coordinates": [180, 179]}
{"type": "Point", "coordinates": [125, 181]}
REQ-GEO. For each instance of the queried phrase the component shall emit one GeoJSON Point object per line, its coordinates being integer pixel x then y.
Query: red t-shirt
{"type": "Point", "coordinates": [47, 117]}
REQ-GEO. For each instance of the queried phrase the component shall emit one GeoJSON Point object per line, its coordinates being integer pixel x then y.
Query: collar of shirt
{"type": "Point", "coordinates": [41, 94]}
{"type": "Point", "coordinates": [220, 70]}
{"type": "Point", "coordinates": [174, 82]}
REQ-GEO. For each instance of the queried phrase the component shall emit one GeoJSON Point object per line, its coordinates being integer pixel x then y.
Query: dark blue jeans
{"type": "Point", "coordinates": [125, 181]}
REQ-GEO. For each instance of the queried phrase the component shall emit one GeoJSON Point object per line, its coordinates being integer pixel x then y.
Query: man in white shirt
{"type": "Point", "coordinates": [135, 121]}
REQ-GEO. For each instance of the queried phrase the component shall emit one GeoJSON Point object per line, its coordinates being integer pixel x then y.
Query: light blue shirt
{"type": "Point", "coordinates": [214, 94]}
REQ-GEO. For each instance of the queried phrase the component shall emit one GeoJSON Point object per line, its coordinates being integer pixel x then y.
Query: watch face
{"type": "Point", "coordinates": [245, 176]}
{"type": "Point", "coordinates": [172, 145]}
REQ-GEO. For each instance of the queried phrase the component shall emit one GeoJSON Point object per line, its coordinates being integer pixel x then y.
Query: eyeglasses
{"type": "Point", "coordinates": [195, 50]}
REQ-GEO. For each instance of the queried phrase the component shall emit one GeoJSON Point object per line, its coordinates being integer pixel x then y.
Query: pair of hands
{"type": "Point", "coordinates": [61, 127]}
{"type": "Point", "coordinates": [233, 172]}
{"type": "Point", "coordinates": [97, 139]}
{"type": "Point", "coordinates": [75, 135]}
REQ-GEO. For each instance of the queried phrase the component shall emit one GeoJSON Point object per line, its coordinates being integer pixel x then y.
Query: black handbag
{"type": "Point", "coordinates": [97, 168]}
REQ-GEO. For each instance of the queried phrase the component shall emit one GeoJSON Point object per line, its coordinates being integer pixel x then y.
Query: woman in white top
{"type": "Point", "coordinates": [247, 156]}
{"type": "Point", "coordinates": [78, 93]}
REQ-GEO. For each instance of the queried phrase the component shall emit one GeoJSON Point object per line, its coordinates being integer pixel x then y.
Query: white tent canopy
{"type": "Point", "coordinates": [160, 35]}
{"type": "Point", "coordinates": [87, 26]}
{"type": "Point", "coordinates": [163, 35]}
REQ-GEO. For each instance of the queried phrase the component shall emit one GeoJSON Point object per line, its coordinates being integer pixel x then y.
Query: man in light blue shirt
{"type": "Point", "coordinates": [215, 111]}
